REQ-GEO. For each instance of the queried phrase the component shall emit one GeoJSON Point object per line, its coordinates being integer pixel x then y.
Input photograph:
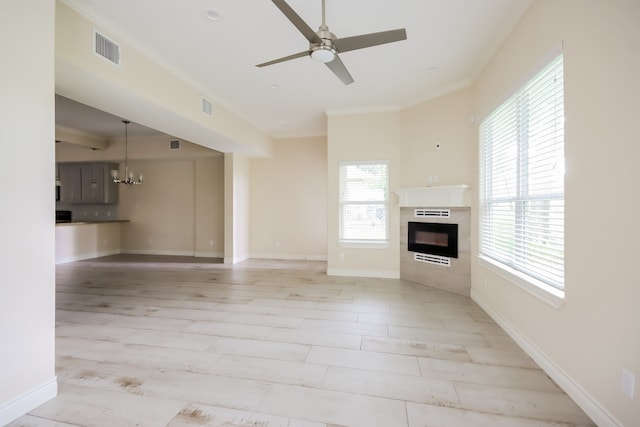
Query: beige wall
{"type": "Point", "coordinates": [209, 209]}
{"type": "Point", "coordinates": [27, 266]}
{"type": "Point", "coordinates": [444, 121]}
{"type": "Point", "coordinates": [407, 138]}
{"type": "Point", "coordinates": [596, 333]}
{"type": "Point", "coordinates": [152, 147]}
{"type": "Point", "coordinates": [161, 212]}
{"type": "Point", "coordinates": [289, 201]}
{"type": "Point", "coordinates": [237, 205]}
{"type": "Point", "coordinates": [355, 137]}
{"type": "Point", "coordinates": [165, 212]}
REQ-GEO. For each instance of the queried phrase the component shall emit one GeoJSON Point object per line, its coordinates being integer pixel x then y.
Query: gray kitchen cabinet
{"type": "Point", "coordinates": [92, 184]}
{"type": "Point", "coordinates": [88, 183]}
{"type": "Point", "coordinates": [70, 183]}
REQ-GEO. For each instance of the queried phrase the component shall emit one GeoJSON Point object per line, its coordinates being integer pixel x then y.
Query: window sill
{"type": "Point", "coordinates": [545, 293]}
{"type": "Point", "coordinates": [364, 244]}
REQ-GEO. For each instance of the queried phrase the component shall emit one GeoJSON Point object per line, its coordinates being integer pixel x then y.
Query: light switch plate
{"type": "Point", "coordinates": [628, 383]}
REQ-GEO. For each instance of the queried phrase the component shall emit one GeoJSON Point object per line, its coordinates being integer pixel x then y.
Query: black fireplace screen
{"type": "Point", "coordinates": [433, 238]}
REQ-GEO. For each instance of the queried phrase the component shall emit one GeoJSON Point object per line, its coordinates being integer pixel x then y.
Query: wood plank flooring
{"type": "Point", "coordinates": [182, 342]}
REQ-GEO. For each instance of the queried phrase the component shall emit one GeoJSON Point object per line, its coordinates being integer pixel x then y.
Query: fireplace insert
{"type": "Point", "coordinates": [433, 238]}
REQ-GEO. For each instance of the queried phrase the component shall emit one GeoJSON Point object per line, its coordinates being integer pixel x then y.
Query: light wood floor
{"type": "Point", "coordinates": [153, 341]}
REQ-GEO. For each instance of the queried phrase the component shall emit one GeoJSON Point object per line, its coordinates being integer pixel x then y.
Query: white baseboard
{"type": "Point", "coordinates": [28, 401]}
{"type": "Point", "coordinates": [288, 257]}
{"type": "Point", "coordinates": [80, 257]}
{"type": "Point", "coordinates": [232, 260]}
{"type": "Point", "coordinates": [209, 254]}
{"type": "Point", "coordinates": [346, 272]}
{"type": "Point", "coordinates": [583, 399]}
{"type": "Point", "coordinates": [156, 252]}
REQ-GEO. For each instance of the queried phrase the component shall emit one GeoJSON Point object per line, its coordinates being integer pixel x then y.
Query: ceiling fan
{"type": "Point", "coordinates": [324, 46]}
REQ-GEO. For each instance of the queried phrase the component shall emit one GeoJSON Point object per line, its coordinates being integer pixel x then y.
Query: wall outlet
{"type": "Point", "coordinates": [341, 256]}
{"type": "Point", "coordinates": [628, 383]}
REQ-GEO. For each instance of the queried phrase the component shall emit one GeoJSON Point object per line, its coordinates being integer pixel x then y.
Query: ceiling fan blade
{"type": "Point", "coordinates": [286, 58]}
{"type": "Point", "coordinates": [338, 68]}
{"type": "Point", "coordinates": [367, 40]}
{"type": "Point", "coordinates": [297, 21]}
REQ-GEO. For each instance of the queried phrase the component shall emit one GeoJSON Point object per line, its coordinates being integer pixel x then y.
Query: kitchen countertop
{"type": "Point", "coordinates": [91, 222]}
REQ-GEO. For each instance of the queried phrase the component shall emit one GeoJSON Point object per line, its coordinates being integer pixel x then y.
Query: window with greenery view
{"type": "Point", "coordinates": [364, 197]}
{"type": "Point", "coordinates": [522, 180]}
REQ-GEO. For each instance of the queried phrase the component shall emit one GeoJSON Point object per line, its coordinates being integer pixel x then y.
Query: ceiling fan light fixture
{"type": "Point", "coordinates": [323, 54]}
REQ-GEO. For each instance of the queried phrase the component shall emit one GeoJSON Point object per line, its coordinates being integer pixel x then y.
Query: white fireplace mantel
{"type": "Point", "coordinates": [442, 196]}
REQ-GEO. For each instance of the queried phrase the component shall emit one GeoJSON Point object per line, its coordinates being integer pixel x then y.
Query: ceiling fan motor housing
{"type": "Point", "coordinates": [325, 51]}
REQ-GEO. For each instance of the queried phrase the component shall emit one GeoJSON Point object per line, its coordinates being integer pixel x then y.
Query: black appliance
{"type": "Point", "coordinates": [433, 238]}
{"type": "Point", "coordinates": [63, 216]}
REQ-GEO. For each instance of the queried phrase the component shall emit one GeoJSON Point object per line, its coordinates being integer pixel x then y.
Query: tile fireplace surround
{"type": "Point", "coordinates": [457, 277]}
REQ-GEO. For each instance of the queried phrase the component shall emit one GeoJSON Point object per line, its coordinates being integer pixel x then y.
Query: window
{"type": "Point", "coordinates": [522, 181]}
{"type": "Point", "coordinates": [364, 196]}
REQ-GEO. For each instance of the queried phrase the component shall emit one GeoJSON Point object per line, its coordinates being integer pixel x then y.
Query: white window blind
{"type": "Point", "coordinates": [364, 195]}
{"type": "Point", "coordinates": [522, 179]}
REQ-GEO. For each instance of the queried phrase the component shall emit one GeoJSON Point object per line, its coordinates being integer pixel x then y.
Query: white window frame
{"type": "Point", "coordinates": [505, 133]}
{"type": "Point", "coordinates": [363, 241]}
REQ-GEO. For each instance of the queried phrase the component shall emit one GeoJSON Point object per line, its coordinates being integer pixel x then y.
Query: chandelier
{"type": "Point", "coordinates": [128, 175]}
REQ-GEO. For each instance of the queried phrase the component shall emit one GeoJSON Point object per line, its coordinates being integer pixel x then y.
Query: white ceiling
{"type": "Point", "coordinates": [78, 116]}
{"type": "Point", "coordinates": [448, 43]}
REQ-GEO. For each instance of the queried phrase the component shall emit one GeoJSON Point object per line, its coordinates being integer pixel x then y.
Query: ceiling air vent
{"type": "Point", "coordinates": [432, 213]}
{"type": "Point", "coordinates": [174, 144]}
{"type": "Point", "coordinates": [106, 48]}
{"type": "Point", "coordinates": [207, 107]}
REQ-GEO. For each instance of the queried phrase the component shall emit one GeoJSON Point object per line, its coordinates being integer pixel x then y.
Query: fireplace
{"type": "Point", "coordinates": [443, 259]}
{"type": "Point", "coordinates": [433, 238]}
